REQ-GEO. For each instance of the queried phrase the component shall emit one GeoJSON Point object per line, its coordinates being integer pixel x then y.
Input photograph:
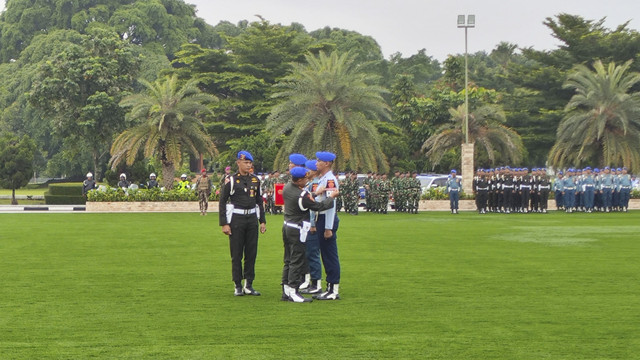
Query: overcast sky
{"type": "Point", "coordinates": [407, 26]}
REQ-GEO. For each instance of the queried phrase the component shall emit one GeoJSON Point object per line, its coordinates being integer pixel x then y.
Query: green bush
{"type": "Point", "coordinates": [117, 194]}
{"type": "Point", "coordinates": [50, 199]}
{"type": "Point", "coordinates": [71, 189]}
{"type": "Point", "coordinates": [440, 193]}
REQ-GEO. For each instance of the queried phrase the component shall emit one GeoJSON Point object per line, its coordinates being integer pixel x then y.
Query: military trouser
{"type": "Point", "coordinates": [243, 243]}
{"type": "Point", "coordinates": [203, 199]}
{"type": "Point", "coordinates": [482, 199]}
{"type": "Point", "coordinates": [543, 199]}
{"type": "Point", "coordinates": [294, 257]}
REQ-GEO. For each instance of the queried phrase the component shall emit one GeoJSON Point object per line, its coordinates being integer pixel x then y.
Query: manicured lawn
{"type": "Point", "coordinates": [427, 286]}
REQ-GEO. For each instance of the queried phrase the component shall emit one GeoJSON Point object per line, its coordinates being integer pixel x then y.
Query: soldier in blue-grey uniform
{"type": "Point", "coordinates": [569, 191]}
{"type": "Point", "coordinates": [327, 226]}
{"type": "Point", "coordinates": [597, 196]}
{"type": "Point", "coordinates": [313, 278]}
{"type": "Point", "coordinates": [615, 196]}
{"type": "Point", "coordinates": [588, 189]}
{"type": "Point", "coordinates": [558, 190]}
{"type": "Point", "coordinates": [241, 217]}
{"type": "Point", "coordinates": [624, 182]}
{"type": "Point", "coordinates": [297, 203]}
{"type": "Point", "coordinates": [454, 186]}
{"type": "Point", "coordinates": [606, 187]}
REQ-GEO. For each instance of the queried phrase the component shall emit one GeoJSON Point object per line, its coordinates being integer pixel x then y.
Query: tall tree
{"type": "Point", "coordinates": [486, 129]}
{"type": "Point", "coordinates": [80, 88]}
{"type": "Point", "coordinates": [330, 104]}
{"type": "Point", "coordinates": [169, 118]}
{"type": "Point", "coordinates": [16, 162]}
{"type": "Point", "coordinates": [602, 121]}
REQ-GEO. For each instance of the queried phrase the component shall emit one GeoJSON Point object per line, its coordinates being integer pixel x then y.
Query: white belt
{"type": "Point", "coordinates": [481, 189]}
{"type": "Point", "coordinates": [244, 211]}
{"type": "Point", "coordinates": [293, 225]}
{"type": "Point", "coordinates": [304, 229]}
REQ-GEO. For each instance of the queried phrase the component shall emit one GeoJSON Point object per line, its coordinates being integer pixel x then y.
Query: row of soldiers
{"type": "Point", "coordinates": [405, 189]}
{"type": "Point", "coordinates": [590, 190]}
{"type": "Point", "coordinates": [507, 190]}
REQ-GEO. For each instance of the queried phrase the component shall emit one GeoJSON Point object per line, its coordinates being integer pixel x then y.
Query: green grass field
{"type": "Point", "coordinates": [427, 286]}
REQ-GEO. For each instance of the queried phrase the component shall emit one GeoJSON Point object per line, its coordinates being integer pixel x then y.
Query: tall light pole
{"type": "Point", "coordinates": [467, 22]}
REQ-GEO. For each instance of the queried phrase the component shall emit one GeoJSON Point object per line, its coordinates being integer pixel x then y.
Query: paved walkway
{"type": "Point", "coordinates": [40, 208]}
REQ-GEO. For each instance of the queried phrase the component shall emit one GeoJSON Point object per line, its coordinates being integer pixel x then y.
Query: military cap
{"type": "Point", "coordinates": [297, 159]}
{"type": "Point", "coordinates": [453, 171]}
{"type": "Point", "coordinates": [298, 172]}
{"type": "Point", "coordinates": [311, 165]}
{"type": "Point", "coordinates": [325, 156]}
{"type": "Point", "coordinates": [244, 155]}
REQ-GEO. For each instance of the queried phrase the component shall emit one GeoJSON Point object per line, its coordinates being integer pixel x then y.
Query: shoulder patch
{"type": "Point", "coordinates": [254, 180]}
{"type": "Point", "coordinates": [238, 181]}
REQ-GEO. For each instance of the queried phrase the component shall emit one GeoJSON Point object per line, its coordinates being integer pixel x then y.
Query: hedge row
{"type": "Point", "coordinates": [71, 189]}
{"type": "Point", "coordinates": [63, 199]}
{"type": "Point", "coordinates": [117, 194]}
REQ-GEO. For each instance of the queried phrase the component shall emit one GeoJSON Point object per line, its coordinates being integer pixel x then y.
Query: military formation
{"type": "Point", "coordinates": [589, 190]}
{"type": "Point", "coordinates": [518, 190]}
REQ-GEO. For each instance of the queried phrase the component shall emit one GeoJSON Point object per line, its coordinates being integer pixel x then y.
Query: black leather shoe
{"type": "Point", "coordinates": [238, 292]}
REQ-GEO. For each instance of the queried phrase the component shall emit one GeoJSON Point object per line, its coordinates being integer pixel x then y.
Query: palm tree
{"type": "Point", "coordinates": [169, 118]}
{"type": "Point", "coordinates": [487, 129]}
{"type": "Point", "coordinates": [601, 125]}
{"type": "Point", "coordinates": [330, 104]}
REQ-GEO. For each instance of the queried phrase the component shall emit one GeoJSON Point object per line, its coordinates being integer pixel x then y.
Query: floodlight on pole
{"type": "Point", "coordinates": [466, 22]}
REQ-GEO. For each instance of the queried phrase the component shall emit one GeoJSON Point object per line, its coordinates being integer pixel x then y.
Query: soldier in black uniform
{"type": "Point", "coordinates": [525, 187]}
{"type": "Point", "coordinates": [508, 186]}
{"type": "Point", "coordinates": [241, 209]}
{"type": "Point", "coordinates": [544, 187]}
{"type": "Point", "coordinates": [297, 203]}
{"type": "Point", "coordinates": [482, 192]}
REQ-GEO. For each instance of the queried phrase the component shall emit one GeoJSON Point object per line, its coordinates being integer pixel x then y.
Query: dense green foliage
{"type": "Point", "coordinates": [66, 66]}
{"type": "Point", "coordinates": [168, 122]}
{"type": "Point", "coordinates": [330, 104]}
{"type": "Point", "coordinates": [158, 286]}
{"type": "Point", "coordinates": [16, 162]}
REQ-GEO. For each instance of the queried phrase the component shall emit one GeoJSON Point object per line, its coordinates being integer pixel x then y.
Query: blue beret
{"type": "Point", "coordinates": [618, 169]}
{"type": "Point", "coordinates": [559, 172]}
{"type": "Point", "coordinates": [525, 169]}
{"type": "Point", "coordinates": [311, 165]}
{"type": "Point", "coordinates": [508, 168]}
{"type": "Point", "coordinates": [624, 168]}
{"type": "Point", "coordinates": [325, 156]}
{"type": "Point", "coordinates": [298, 172]}
{"type": "Point", "coordinates": [607, 168]}
{"type": "Point", "coordinates": [453, 171]}
{"type": "Point", "coordinates": [297, 159]}
{"type": "Point", "coordinates": [596, 170]}
{"type": "Point", "coordinates": [588, 168]}
{"type": "Point", "coordinates": [244, 155]}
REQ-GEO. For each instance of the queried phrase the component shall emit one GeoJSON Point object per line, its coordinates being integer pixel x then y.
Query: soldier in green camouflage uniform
{"type": "Point", "coordinates": [368, 190]}
{"type": "Point", "coordinates": [385, 191]}
{"type": "Point", "coordinates": [415, 193]}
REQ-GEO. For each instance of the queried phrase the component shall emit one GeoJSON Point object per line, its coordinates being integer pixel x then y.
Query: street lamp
{"type": "Point", "coordinates": [466, 22]}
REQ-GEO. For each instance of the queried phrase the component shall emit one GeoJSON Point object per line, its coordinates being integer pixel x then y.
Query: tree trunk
{"type": "Point", "coordinates": [13, 196]}
{"type": "Point", "coordinates": [167, 175]}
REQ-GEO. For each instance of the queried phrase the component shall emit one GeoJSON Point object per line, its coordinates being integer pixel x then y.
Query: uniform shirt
{"type": "Point", "coordinates": [298, 202]}
{"type": "Point", "coordinates": [606, 181]}
{"type": "Point", "coordinates": [329, 181]}
{"type": "Point", "coordinates": [588, 182]}
{"type": "Point", "coordinates": [558, 184]}
{"type": "Point", "coordinates": [625, 181]}
{"type": "Point", "coordinates": [123, 184]}
{"type": "Point", "coordinates": [246, 195]}
{"type": "Point", "coordinates": [152, 184]}
{"type": "Point", "coordinates": [311, 187]}
{"type": "Point", "coordinates": [568, 182]}
{"type": "Point", "coordinates": [184, 185]}
{"type": "Point", "coordinates": [453, 183]}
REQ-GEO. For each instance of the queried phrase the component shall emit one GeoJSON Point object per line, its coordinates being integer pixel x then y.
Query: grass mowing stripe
{"type": "Point", "coordinates": [433, 285]}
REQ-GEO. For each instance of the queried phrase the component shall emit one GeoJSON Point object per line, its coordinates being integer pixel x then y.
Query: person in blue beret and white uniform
{"type": "Point", "coordinates": [327, 226]}
{"type": "Point", "coordinates": [241, 217]}
{"type": "Point", "coordinates": [454, 186]}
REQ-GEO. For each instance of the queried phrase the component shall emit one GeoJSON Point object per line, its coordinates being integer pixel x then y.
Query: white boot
{"type": "Point", "coordinates": [306, 283]}
{"type": "Point", "coordinates": [331, 294]}
{"type": "Point", "coordinates": [295, 296]}
{"type": "Point", "coordinates": [286, 289]}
